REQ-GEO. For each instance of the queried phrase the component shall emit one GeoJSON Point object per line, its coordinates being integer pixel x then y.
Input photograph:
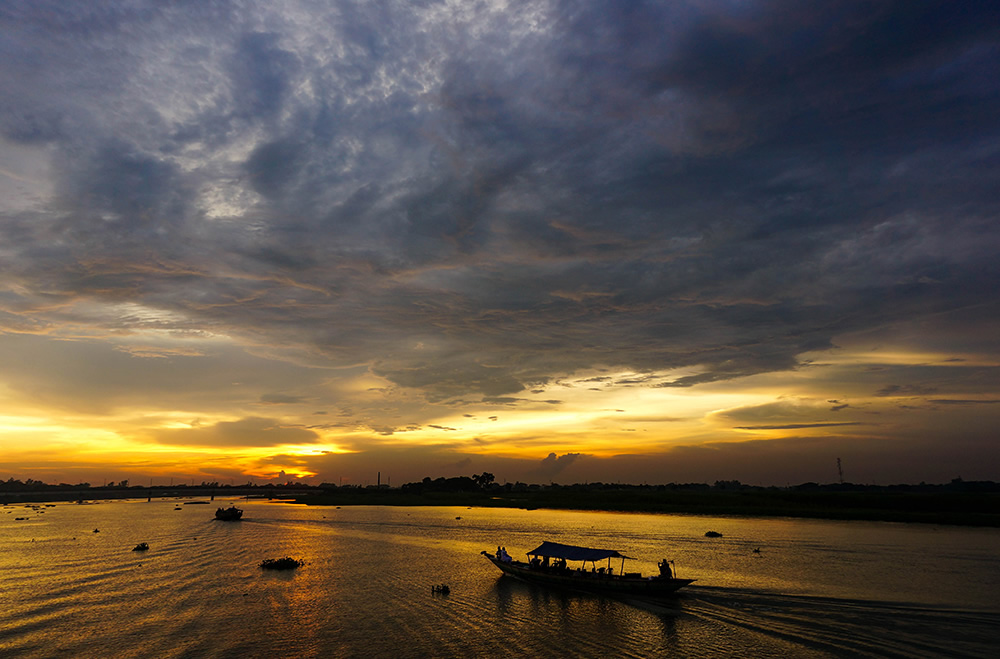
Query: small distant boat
{"type": "Point", "coordinates": [547, 565]}
{"type": "Point", "coordinates": [442, 589]}
{"type": "Point", "coordinates": [230, 514]}
{"type": "Point", "coordinates": [712, 534]}
{"type": "Point", "coordinates": [142, 546]}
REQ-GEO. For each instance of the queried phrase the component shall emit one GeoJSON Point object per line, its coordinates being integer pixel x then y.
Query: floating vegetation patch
{"type": "Point", "coordinates": [285, 563]}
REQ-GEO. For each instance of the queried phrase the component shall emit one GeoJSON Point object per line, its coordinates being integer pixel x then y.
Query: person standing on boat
{"type": "Point", "coordinates": [665, 569]}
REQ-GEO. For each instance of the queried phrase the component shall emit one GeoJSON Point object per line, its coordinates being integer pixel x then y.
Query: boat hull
{"type": "Point", "coordinates": [650, 587]}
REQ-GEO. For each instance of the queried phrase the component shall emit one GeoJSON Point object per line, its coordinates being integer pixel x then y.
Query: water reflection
{"type": "Point", "coordinates": [365, 590]}
{"type": "Point", "coordinates": [605, 622]}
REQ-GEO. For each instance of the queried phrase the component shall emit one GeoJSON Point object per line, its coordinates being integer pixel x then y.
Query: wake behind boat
{"type": "Point", "coordinates": [547, 565]}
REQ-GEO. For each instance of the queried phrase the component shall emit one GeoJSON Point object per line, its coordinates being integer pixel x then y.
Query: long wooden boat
{"type": "Point", "coordinates": [548, 564]}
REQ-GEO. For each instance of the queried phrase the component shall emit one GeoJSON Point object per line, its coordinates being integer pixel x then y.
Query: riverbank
{"type": "Point", "coordinates": [955, 503]}
{"type": "Point", "coordinates": [953, 508]}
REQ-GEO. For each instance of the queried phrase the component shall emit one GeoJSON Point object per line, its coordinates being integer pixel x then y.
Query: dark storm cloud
{"type": "Point", "coordinates": [486, 201]}
{"type": "Point", "coordinates": [262, 74]}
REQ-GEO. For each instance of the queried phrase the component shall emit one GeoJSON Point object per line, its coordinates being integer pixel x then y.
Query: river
{"type": "Point", "coordinates": [70, 584]}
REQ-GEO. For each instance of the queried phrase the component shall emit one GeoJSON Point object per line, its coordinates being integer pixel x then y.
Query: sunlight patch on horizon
{"type": "Point", "coordinates": [583, 419]}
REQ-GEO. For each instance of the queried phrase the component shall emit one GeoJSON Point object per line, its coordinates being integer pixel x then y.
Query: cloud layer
{"type": "Point", "coordinates": [469, 202]}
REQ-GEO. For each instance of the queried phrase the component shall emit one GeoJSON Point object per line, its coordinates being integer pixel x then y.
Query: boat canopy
{"type": "Point", "coordinates": [573, 553]}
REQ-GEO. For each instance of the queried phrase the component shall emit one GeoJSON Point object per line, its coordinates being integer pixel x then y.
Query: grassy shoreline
{"type": "Point", "coordinates": [956, 503]}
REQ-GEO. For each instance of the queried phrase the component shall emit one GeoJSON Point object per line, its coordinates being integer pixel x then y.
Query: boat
{"type": "Point", "coordinates": [548, 565]}
{"type": "Point", "coordinates": [230, 514]}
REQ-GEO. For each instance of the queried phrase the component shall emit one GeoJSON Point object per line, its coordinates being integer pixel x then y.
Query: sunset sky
{"type": "Point", "coordinates": [564, 241]}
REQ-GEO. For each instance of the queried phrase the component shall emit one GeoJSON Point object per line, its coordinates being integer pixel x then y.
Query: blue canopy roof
{"type": "Point", "coordinates": [573, 553]}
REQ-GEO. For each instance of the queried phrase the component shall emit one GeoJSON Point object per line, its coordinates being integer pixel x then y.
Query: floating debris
{"type": "Point", "coordinates": [230, 514]}
{"type": "Point", "coordinates": [713, 534]}
{"type": "Point", "coordinates": [443, 589]}
{"type": "Point", "coordinates": [142, 546]}
{"type": "Point", "coordinates": [285, 563]}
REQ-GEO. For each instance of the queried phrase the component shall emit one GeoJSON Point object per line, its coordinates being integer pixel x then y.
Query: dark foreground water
{"type": "Point", "coordinates": [816, 588]}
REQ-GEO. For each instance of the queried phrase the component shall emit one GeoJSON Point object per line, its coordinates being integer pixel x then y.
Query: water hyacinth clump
{"type": "Point", "coordinates": [285, 563]}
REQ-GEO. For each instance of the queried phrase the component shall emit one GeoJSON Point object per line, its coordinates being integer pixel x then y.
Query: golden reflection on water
{"type": "Point", "coordinates": [365, 589]}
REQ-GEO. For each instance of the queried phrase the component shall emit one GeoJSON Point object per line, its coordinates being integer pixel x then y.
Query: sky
{"type": "Point", "coordinates": [567, 241]}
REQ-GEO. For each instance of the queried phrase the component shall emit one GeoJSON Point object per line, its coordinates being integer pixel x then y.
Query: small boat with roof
{"type": "Point", "coordinates": [548, 564]}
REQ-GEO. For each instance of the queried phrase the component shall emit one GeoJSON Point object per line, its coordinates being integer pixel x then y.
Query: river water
{"type": "Point", "coordinates": [70, 585]}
